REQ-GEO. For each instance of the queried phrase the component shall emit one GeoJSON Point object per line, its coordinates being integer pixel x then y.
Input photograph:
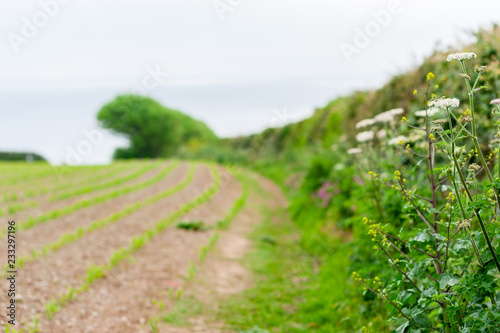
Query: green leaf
{"type": "Point", "coordinates": [422, 237]}
{"type": "Point", "coordinates": [448, 280]}
{"type": "Point", "coordinates": [402, 328]}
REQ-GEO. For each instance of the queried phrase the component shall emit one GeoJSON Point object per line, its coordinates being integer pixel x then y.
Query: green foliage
{"type": "Point", "coordinates": [191, 225]}
{"type": "Point", "coordinates": [8, 156]}
{"type": "Point", "coordinates": [254, 329]}
{"type": "Point", "coordinates": [153, 130]}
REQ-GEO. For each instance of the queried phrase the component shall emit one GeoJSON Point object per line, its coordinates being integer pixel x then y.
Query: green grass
{"type": "Point", "coordinates": [294, 291]}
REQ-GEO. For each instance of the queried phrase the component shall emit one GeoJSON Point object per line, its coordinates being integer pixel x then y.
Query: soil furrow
{"type": "Point", "coordinates": [46, 205]}
{"type": "Point", "coordinates": [49, 277]}
{"type": "Point", "coordinates": [47, 233]}
{"type": "Point", "coordinates": [123, 301]}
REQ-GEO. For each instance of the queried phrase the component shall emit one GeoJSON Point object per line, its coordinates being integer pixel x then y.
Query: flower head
{"type": "Point", "coordinates": [397, 140]}
{"type": "Point", "coordinates": [354, 151]}
{"type": "Point", "coordinates": [365, 136]}
{"type": "Point", "coordinates": [495, 101]}
{"type": "Point", "coordinates": [365, 123]}
{"type": "Point", "coordinates": [445, 103]}
{"type": "Point", "coordinates": [429, 112]}
{"type": "Point", "coordinates": [461, 56]}
{"type": "Point", "coordinates": [388, 116]}
{"type": "Point", "coordinates": [381, 134]}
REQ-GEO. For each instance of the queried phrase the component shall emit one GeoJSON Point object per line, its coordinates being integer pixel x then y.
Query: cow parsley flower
{"type": "Point", "coordinates": [388, 116]}
{"type": "Point", "coordinates": [365, 136]}
{"type": "Point", "coordinates": [429, 112]}
{"type": "Point", "coordinates": [495, 101]}
{"type": "Point", "coordinates": [444, 103]}
{"type": "Point", "coordinates": [381, 134]}
{"type": "Point", "coordinates": [461, 56]}
{"type": "Point", "coordinates": [365, 123]}
{"type": "Point", "coordinates": [397, 140]}
{"type": "Point", "coordinates": [396, 112]}
{"type": "Point", "coordinates": [354, 151]}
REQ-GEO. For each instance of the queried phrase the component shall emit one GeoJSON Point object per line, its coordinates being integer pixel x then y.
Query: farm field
{"type": "Point", "coordinates": [98, 248]}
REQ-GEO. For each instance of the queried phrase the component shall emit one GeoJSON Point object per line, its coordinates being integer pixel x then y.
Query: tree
{"type": "Point", "coordinates": [152, 129]}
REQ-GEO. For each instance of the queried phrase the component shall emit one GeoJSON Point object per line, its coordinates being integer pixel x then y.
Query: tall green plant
{"type": "Point", "coordinates": [445, 257]}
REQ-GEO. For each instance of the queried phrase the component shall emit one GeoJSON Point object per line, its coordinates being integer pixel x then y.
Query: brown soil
{"type": "Point", "coordinates": [46, 205]}
{"type": "Point", "coordinates": [127, 297]}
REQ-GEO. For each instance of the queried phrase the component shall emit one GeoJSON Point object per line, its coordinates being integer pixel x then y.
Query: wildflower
{"type": "Point", "coordinates": [439, 121]}
{"type": "Point", "coordinates": [495, 101]}
{"type": "Point", "coordinates": [415, 92]}
{"type": "Point", "coordinates": [381, 134]}
{"type": "Point", "coordinates": [396, 112]}
{"type": "Point", "coordinates": [435, 129]}
{"type": "Point", "coordinates": [463, 224]}
{"type": "Point", "coordinates": [465, 76]}
{"type": "Point", "coordinates": [461, 56]}
{"type": "Point", "coordinates": [466, 119]}
{"type": "Point", "coordinates": [354, 151]}
{"type": "Point", "coordinates": [384, 117]}
{"type": "Point", "coordinates": [429, 112]}
{"type": "Point", "coordinates": [404, 119]}
{"type": "Point", "coordinates": [430, 76]}
{"type": "Point", "coordinates": [474, 166]}
{"type": "Point", "coordinates": [480, 69]}
{"type": "Point", "coordinates": [432, 137]}
{"type": "Point", "coordinates": [365, 123]}
{"type": "Point", "coordinates": [397, 140]}
{"type": "Point", "coordinates": [445, 103]}
{"type": "Point", "coordinates": [365, 136]}
{"type": "Point", "coordinates": [388, 116]}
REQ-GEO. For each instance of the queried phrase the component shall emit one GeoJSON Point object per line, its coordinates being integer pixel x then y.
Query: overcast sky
{"type": "Point", "coordinates": [239, 65]}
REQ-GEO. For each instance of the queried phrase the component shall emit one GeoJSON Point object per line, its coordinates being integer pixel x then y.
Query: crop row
{"type": "Point", "coordinates": [94, 273]}
{"type": "Point", "coordinates": [44, 217]}
{"type": "Point", "coordinates": [112, 183]}
{"type": "Point", "coordinates": [99, 224]}
{"type": "Point", "coordinates": [83, 176]}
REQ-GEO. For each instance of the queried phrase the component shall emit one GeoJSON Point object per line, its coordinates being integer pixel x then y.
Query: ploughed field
{"type": "Point", "coordinates": [98, 248]}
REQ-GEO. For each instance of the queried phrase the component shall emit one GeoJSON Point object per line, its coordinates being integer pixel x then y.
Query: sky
{"type": "Point", "coordinates": [239, 65]}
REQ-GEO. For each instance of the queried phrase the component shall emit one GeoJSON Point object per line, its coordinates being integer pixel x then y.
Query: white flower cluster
{"type": "Point", "coordinates": [461, 56]}
{"type": "Point", "coordinates": [495, 101]}
{"type": "Point", "coordinates": [444, 103]}
{"type": "Point", "coordinates": [388, 116]}
{"type": "Point", "coordinates": [381, 134]}
{"type": "Point", "coordinates": [397, 140]}
{"type": "Point", "coordinates": [365, 136]}
{"type": "Point", "coordinates": [354, 151]}
{"type": "Point", "coordinates": [429, 112]}
{"type": "Point", "coordinates": [384, 117]}
{"type": "Point", "coordinates": [365, 123]}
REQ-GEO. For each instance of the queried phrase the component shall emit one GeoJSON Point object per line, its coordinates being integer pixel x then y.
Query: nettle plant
{"type": "Point", "coordinates": [446, 254]}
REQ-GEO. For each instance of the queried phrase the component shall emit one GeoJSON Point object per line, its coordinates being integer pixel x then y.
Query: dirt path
{"type": "Point", "coordinates": [223, 273]}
